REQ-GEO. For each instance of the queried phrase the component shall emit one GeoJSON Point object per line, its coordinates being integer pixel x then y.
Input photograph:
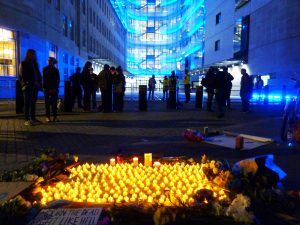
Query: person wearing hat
{"type": "Point", "coordinates": [51, 81]}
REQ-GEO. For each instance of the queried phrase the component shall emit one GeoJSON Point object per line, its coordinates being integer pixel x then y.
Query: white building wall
{"type": "Point", "coordinates": [223, 31]}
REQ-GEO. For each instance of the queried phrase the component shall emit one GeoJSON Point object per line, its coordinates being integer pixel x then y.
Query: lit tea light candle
{"type": "Point", "coordinates": [157, 164]}
{"type": "Point", "coordinates": [112, 161]}
{"type": "Point", "coordinates": [135, 161]}
{"type": "Point", "coordinates": [148, 159]}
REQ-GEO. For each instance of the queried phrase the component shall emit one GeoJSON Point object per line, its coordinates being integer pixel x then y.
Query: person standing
{"type": "Point", "coordinates": [187, 87]}
{"type": "Point", "coordinates": [228, 86]}
{"type": "Point", "coordinates": [94, 80]}
{"type": "Point", "coordinates": [51, 81]}
{"type": "Point", "coordinates": [246, 90]}
{"type": "Point", "coordinates": [119, 89]}
{"type": "Point", "coordinates": [31, 82]}
{"type": "Point", "coordinates": [165, 84]}
{"type": "Point", "coordinates": [102, 83]}
{"type": "Point", "coordinates": [209, 83]}
{"type": "Point", "coordinates": [151, 86]}
{"type": "Point", "coordinates": [259, 87]}
{"type": "Point", "coordinates": [87, 84]}
{"type": "Point", "coordinates": [76, 80]}
{"type": "Point", "coordinates": [220, 92]}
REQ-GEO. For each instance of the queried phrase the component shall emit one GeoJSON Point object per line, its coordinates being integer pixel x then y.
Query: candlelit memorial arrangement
{"type": "Point", "coordinates": [141, 190]}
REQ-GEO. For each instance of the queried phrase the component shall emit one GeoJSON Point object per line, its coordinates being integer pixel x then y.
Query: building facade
{"type": "Point", "coordinates": [259, 35]}
{"type": "Point", "coordinates": [163, 35]}
{"type": "Point", "coordinates": [73, 31]}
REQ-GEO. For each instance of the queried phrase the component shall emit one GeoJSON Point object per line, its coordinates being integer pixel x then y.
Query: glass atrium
{"type": "Point", "coordinates": [162, 35]}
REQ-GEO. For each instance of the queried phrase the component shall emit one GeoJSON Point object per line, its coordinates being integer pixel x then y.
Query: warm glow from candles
{"type": "Point", "coordinates": [148, 159]}
{"type": "Point", "coordinates": [112, 161]}
{"type": "Point", "coordinates": [127, 183]}
{"type": "Point", "coordinates": [135, 161]}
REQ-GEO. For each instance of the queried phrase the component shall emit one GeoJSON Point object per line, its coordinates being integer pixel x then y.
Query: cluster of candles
{"type": "Point", "coordinates": [163, 184]}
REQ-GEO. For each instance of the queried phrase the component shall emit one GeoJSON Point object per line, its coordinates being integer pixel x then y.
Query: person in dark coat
{"type": "Point", "coordinates": [87, 84]}
{"type": "Point", "coordinates": [209, 83]}
{"type": "Point", "coordinates": [94, 78]}
{"type": "Point", "coordinates": [76, 81]}
{"type": "Point", "coordinates": [151, 87]}
{"type": "Point", "coordinates": [31, 82]}
{"type": "Point", "coordinates": [105, 85]}
{"type": "Point", "coordinates": [246, 90]}
{"type": "Point", "coordinates": [220, 92]}
{"type": "Point", "coordinates": [119, 89]}
{"type": "Point", "coordinates": [228, 86]}
{"type": "Point", "coordinates": [51, 81]}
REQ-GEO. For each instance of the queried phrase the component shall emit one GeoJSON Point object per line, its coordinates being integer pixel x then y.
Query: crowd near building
{"type": "Point", "coordinates": [154, 37]}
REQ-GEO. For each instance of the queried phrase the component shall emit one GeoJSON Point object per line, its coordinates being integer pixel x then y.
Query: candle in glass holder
{"type": "Point", "coordinates": [157, 164]}
{"type": "Point", "coordinates": [148, 159]}
{"type": "Point", "coordinates": [112, 161]}
{"type": "Point", "coordinates": [135, 161]}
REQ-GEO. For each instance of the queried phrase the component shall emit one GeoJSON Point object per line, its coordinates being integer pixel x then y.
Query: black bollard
{"type": "Point", "coordinates": [68, 105]}
{"type": "Point", "coordinates": [172, 101]}
{"type": "Point", "coordinates": [143, 97]}
{"type": "Point", "coordinates": [19, 98]}
{"type": "Point", "coordinates": [199, 97]}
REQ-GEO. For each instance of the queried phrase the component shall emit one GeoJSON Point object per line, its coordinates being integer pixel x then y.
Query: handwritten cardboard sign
{"type": "Point", "coordinates": [9, 190]}
{"type": "Point", "coordinates": [83, 216]}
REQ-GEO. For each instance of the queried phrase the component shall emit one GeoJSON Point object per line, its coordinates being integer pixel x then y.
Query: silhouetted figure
{"type": "Point", "coordinates": [246, 90]}
{"type": "Point", "coordinates": [31, 82]}
{"type": "Point", "coordinates": [187, 87]}
{"type": "Point", "coordinates": [151, 87]}
{"type": "Point", "coordinates": [228, 86]}
{"type": "Point", "coordinates": [102, 83]}
{"type": "Point", "coordinates": [119, 89]}
{"type": "Point", "coordinates": [209, 83]}
{"type": "Point", "coordinates": [220, 92]}
{"type": "Point", "coordinates": [51, 81]}
{"type": "Point", "coordinates": [165, 84]}
{"type": "Point", "coordinates": [87, 84]}
{"type": "Point", "coordinates": [259, 86]}
{"type": "Point", "coordinates": [76, 81]}
{"type": "Point", "coordinates": [94, 78]}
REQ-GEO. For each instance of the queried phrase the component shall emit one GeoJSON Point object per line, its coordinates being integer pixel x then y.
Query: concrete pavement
{"type": "Point", "coordinates": [98, 136]}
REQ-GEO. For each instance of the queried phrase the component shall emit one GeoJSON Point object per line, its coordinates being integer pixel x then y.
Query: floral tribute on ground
{"type": "Point", "coordinates": [137, 191]}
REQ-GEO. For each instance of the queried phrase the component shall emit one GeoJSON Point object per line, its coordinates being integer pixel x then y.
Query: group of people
{"type": "Point", "coordinates": [218, 84]}
{"type": "Point", "coordinates": [170, 82]}
{"type": "Point", "coordinates": [32, 81]}
{"type": "Point", "coordinates": [110, 81]}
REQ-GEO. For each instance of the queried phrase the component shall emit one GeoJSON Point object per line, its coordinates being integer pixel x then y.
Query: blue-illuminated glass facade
{"type": "Point", "coordinates": [162, 35]}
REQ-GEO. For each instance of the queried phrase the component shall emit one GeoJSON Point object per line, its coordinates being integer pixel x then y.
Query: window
{"type": "Point", "coordinates": [83, 5]}
{"type": "Point", "coordinates": [91, 15]}
{"type": "Point", "coordinates": [65, 58]}
{"type": "Point", "coordinates": [83, 38]}
{"type": "Point", "coordinates": [65, 26]}
{"type": "Point", "coordinates": [52, 50]}
{"type": "Point", "coordinates": [240, 3]}
{"type": "Point", "coordinates": [7, 53]}
{"type": "Point", "coordinates": [218, 18]}
{"type": "Point", "coordinates": [217, 45]}
{"type": "Point", "coordinates": [57, 4]}
{"type": "Point", "coordinates": [72, 60]}
{"type": "Point", "coordinates": [66, 73]}
{"type": "Point", "coordinates": [72, 30]}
